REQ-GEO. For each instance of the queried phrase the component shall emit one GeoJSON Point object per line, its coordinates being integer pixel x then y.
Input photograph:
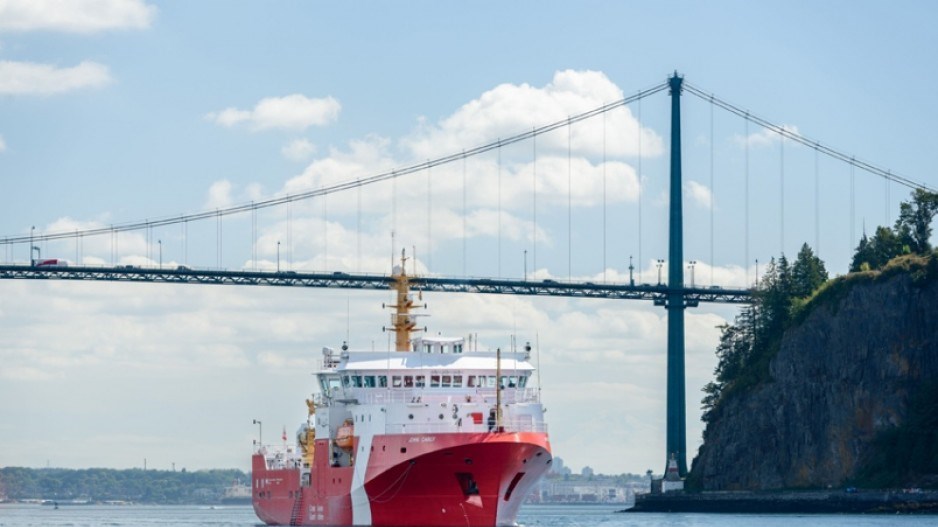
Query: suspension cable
{"type": "Point", "coordinates": [346, 185]}
{"type": "Point", "coordinates": [798, 138]}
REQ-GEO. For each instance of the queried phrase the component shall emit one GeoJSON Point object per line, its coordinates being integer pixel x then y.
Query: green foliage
{"type": "Point", "coordinates": [909, 235]}
{"type": "Point", "coordinates": [914, 224]}
{"type": "Point", "coordinates": [747, 346]}
{"type": "Point", "coordinates": [807, 274]}
{"type": "Point", "coordinates": [99, 484]}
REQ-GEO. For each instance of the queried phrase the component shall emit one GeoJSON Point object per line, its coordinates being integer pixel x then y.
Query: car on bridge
{"type": "Point", "coordinates": [50, 262]}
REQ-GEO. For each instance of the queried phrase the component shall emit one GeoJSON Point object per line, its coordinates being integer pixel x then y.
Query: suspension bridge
{"type": "Point", "coordinates": [674, 294]}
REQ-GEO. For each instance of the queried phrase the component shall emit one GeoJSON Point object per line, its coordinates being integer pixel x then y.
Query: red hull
{"type": "Point", "coordinates": [412, 480]}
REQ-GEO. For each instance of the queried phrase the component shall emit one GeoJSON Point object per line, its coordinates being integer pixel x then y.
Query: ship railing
{"type": "Point", "coordinates": [280, 457]}
{"type": "Point", "coordinates": [507, 425]}
{"type": "Point", "coordinates": [448, 395]}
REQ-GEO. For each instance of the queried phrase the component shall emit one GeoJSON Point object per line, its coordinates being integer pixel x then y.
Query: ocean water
{"type": "Point", "coordinates": [16, 515]}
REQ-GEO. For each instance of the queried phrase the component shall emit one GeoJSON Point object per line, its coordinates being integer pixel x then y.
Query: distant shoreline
{"type": "Point", "coordinates": [792, 502]}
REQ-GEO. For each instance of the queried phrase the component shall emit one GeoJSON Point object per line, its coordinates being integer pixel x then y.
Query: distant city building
{"type": "Point", "coordinates": [580, 489]}
{"type": "Point", "coordinates": [558, 468]}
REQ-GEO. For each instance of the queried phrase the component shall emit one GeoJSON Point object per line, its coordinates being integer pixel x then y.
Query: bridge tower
{"type": "Point", "coordinates": [675, 302]}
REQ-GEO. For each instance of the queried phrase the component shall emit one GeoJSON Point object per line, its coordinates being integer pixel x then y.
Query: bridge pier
{"type": "Point", "coordinates": [675, 304]}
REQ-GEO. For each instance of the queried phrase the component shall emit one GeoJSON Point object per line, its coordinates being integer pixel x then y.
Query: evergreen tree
{"type": "Point", "coordinates": [863, 255]}
{"type": "Point", "coordinates": [876, 252]}
{"type": "Point", "coordinates": [913, 227]}
{"type": "Point", "coordinates": [747, 344]}
{"type": "Point", "coordinates": [910, 235]}
{"type": "Point", "coordinates": [807, 274]}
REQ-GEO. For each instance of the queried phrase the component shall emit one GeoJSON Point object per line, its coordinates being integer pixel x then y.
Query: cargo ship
{"type": "Point", "coordinates": [434, 433]}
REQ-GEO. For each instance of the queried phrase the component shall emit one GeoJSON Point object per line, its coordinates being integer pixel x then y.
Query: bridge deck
{"type": "Point", "coordinates": [656, 293]}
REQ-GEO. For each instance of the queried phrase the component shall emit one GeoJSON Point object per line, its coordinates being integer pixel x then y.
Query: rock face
{"type": "Point", "coordinates": [844, 374]}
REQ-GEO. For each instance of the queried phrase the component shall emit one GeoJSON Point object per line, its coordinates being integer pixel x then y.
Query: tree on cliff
{"type": "Point", "coordinates": [808, 273]}
{"type": "Point", "coordinates": [756, 331]}
{"type": "Point", "coordinates": [909, 235]}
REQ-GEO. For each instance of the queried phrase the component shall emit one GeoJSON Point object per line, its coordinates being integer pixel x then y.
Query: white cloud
{"type": "Point", "coordinates": [292, 112]}
{"type": "Point", "coordinates": [3, 144]}
{"type": "Point", "coordinates": [219, 195]}
{"type": "Point", "coordinates": [29, 78]}
{"type": "Point", "coordinates": [700, 194]}
{"type": "Point", "coordinates": [763, 137]}
{"type": "Point", "coordinates": [298, 150]}
{"type": "Point", "coordinates": [75, 16]}
{"type": "Point", "coordinates": [509, 109]}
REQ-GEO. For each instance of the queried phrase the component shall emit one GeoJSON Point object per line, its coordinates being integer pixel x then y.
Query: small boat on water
{"type": "Point", "coordinates": [431, 434]}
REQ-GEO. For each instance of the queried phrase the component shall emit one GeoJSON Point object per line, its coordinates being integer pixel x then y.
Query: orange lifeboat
{"type": "Point", "coordinates": [344, 435]}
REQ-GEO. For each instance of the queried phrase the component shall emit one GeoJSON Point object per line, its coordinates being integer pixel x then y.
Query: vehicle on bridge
{"type": "Point", "coordinates": [50, 262]}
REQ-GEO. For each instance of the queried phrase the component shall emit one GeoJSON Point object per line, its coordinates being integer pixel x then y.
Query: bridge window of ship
{"type": "Point", "coordinates": [447, 381]}
{"type": "Point", "coordinates": [382, 381]}
{"type": "Point", "coordinates": [434, 381]}
{"type": "Point", "coordinates": [369, 381]}
{"type": "Point", "coordinates": [396, 381]}
{"type": "Point", "coordinates": [420, 381]}
{"type": "Point", "coordinates": [408, 381]}
{"type": "Point", "coordinates": [457, 348]}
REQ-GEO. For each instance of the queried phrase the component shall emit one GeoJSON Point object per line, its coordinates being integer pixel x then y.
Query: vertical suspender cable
{"type": "Point", "coordinates": [569, 200]}
{"type": "Point", "coordinates": [712, 193]}
{"type": "Point", "coordinates": [358, 264]}
{"type": "Point", "coordinates": [219, 235]}
{"type": "Point", "coordinates": [781, 184]}
{"type": "Point", "coordinates": [746, 199]}
{"type": "Point", "coordinates": [641, 186]}
{"type": "Point", "coordinates": [290, 231]}
{"type": "Point", "coordinates": [852, 213]}
{"type": "Point", "coordinates": [429, 249]}
{"type": "Point", "coordinates": [499, 209]}
{"type": "Point", "coordinates": [817, 205]}
{"type": "Point", "coordinates": [325, 235]}
{"type": "Point", "coordinates": [534, 199]}
{"type": "Point", "coordinates": [604, 196]}
{"type": "Point", "coordinates": [253, 236]}
{"type": "Point", "coordinates": [886, 202]}
{"type": "Point", "coordinates": [185, 236]}
{"type": "Point", "coordinates": [464, 212]}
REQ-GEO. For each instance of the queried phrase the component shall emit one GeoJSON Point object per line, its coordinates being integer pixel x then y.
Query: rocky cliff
{"type": "Point", "coordinates": [844, 374]}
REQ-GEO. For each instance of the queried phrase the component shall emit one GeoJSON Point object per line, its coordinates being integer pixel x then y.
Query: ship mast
{"type": "Point", "coordinates": [402, 321]}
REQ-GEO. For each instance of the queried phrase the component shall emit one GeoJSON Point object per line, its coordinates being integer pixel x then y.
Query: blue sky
{"type": "Point", "coordinates": [126, 110]}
